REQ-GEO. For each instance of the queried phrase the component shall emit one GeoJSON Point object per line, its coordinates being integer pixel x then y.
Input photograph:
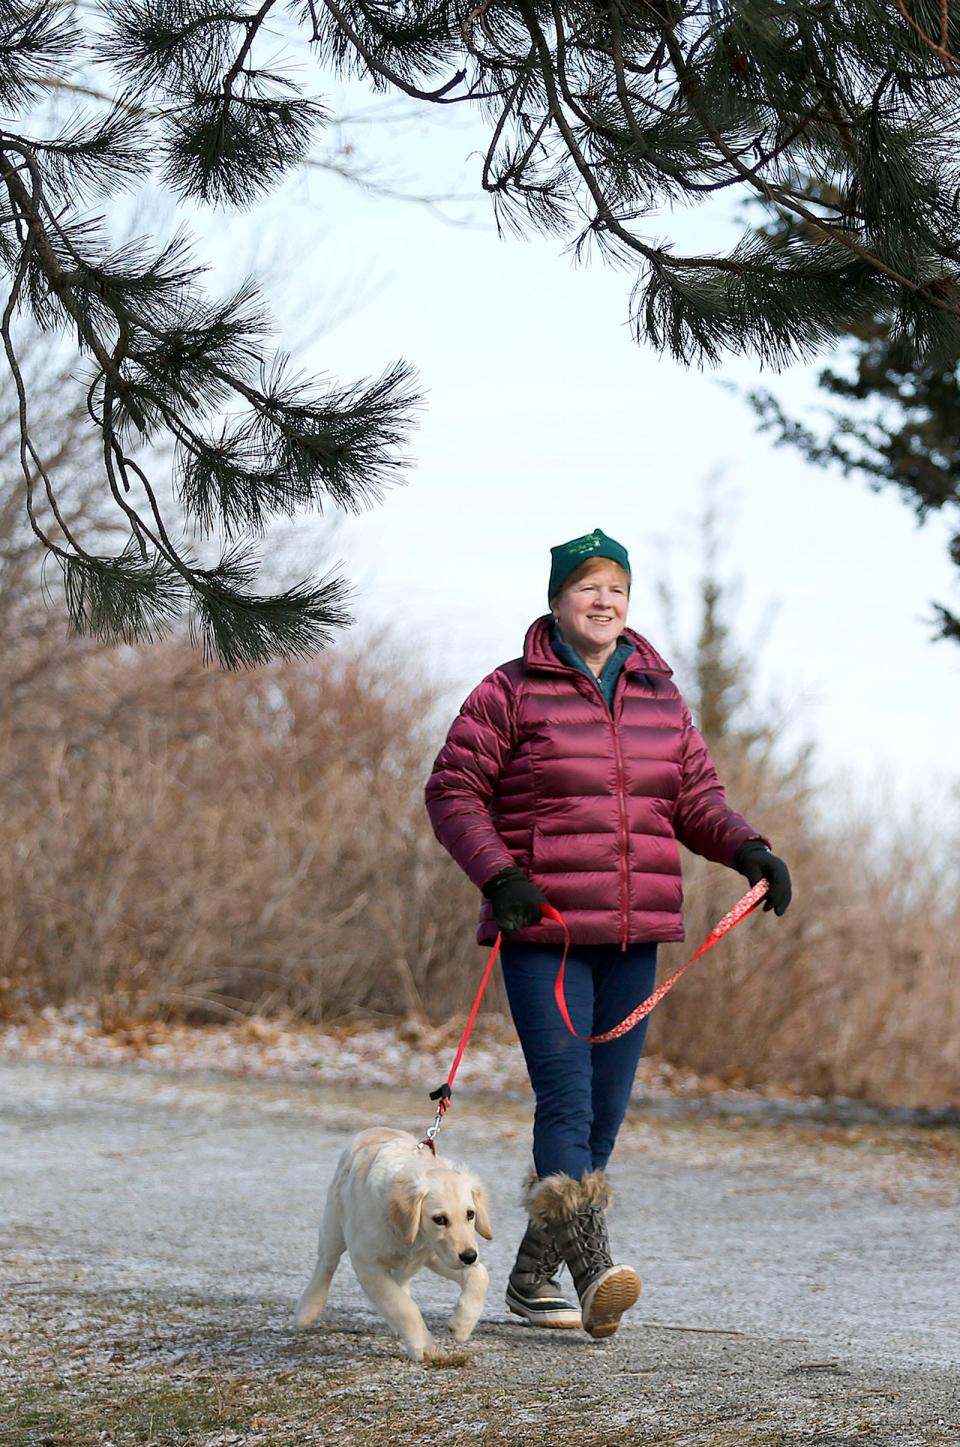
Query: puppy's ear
{"type": "Point", "coordinates": [482, 1208]}
{"type": "Point", "coordinates": [404, 1206]}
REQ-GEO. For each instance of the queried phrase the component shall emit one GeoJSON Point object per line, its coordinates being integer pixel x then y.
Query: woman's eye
{"type": "Point", "coordinates": [440, 1221]}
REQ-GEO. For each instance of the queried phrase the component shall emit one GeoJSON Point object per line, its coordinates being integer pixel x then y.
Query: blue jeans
{"type": "Point", "coordinates": [582, 1090]}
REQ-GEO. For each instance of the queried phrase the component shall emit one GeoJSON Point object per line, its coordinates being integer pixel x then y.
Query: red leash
{"type": "Point", "coordinates": [733, 917]}
{"type": "Point", "coordinates": [443, 1092]}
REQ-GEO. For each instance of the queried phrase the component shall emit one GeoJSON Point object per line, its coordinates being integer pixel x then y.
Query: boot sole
{"type": "Point", "coordinates": [614, 1294]}
{"type": "Point", "coordinates": [558, 1318]}
{"type": "Point", "coordinates": [555, 1321]}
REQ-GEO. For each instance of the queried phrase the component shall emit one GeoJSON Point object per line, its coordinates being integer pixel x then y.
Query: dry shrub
{"type": "Point", "coordinates": [182, 841]}
{"type": "Point", "coordinates": [856, 990]}
{"type": "Point", "coordinates": [187, 844]}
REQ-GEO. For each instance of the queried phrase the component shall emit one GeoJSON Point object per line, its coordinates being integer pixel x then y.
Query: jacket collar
{"type": "Point", "coordinates": [537, 653]}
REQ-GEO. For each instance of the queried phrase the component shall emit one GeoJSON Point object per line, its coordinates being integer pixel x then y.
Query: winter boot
{"type": "Point", "coordinates": [532, 1291]}
{"type": "Point", "coordinates": [573, 1214]}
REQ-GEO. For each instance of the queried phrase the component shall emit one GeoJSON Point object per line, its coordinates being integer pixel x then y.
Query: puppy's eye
{"type": "Point", "coordinates": [441, 1221]}
{"type": "Point", "coordinates": [470, 1215]}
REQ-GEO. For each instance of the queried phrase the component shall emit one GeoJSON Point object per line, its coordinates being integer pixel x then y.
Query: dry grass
{"type": "Point", "coordinates": [216, 1381]}
{"type": "Point", "coordinates": [184, 844]}
{"type": "Point", "coordinates": [856, 991]}
{"type": "Point", "coordinates": [192, 843]}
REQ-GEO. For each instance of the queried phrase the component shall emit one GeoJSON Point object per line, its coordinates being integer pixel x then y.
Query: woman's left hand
{"type": "Point", "coordinates": [756, 861]}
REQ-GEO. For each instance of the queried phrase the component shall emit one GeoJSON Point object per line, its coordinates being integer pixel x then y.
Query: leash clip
{"type": "Point", "coordinates": [442, 1096]}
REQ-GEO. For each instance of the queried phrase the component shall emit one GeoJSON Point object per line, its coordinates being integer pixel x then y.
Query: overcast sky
{"type": "Point", "coordinates": [545, 420]}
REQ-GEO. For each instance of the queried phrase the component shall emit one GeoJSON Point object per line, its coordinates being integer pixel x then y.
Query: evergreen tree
{"type": "Point", "coordinates": [601, 113]}
{"type": "Point", "coordinates": [895, 422]}
{"type": "Point", "coordinates": [165, 363]}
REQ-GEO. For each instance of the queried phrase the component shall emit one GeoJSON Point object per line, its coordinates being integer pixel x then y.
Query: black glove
{"type": "Point", "coordinates": [516, 900]}
{"type": "Point", "coordinates": [755, 861]}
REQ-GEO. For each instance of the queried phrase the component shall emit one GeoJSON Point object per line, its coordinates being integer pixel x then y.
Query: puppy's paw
{"type": "Point", "coordinates": [461, 1331]}
{"type": "Point", "coordinates": [422, 1351]}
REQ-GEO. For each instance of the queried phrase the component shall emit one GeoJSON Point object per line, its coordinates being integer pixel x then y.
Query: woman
{"type": "Point", "coordinates": [568, 777]}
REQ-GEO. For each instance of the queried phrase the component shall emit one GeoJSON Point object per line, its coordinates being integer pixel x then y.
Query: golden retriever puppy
{"type": "Point", "coordinates": [396, 1209]}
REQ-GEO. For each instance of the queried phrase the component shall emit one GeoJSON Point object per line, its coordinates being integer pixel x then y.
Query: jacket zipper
{"type": "Point", "coordinates": [624, 835]}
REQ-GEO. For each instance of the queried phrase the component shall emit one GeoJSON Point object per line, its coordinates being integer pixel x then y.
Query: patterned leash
{"type": "Point", "coordinates": [733, 917]}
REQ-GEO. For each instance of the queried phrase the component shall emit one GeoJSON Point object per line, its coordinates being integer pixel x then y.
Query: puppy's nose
{"type": "Point", "coordinates": [468, 1257]}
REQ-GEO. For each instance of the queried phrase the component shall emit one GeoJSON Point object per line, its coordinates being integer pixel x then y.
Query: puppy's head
{"type": "Point", "coordinates": [447, 1210]}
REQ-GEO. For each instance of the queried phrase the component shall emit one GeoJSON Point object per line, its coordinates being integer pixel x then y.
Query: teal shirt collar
{"type": "Point", "coordinates": [611, 671]}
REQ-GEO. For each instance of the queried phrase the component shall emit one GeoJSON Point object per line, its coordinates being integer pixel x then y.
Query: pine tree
{"type": "Point", "coordinates": [165, 363]}
{"type": "Point", "coordinates": [602, 113]}
{"type": "Point", "coordinates": [894, 422]}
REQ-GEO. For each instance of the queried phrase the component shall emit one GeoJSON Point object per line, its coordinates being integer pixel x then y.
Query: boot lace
{"type": "Point", "coordinates": [545, 1256]}
{"type": "Point", "coordinates": [594, 1247]}
{"type": "Point", "coordinates": [550, 1257]}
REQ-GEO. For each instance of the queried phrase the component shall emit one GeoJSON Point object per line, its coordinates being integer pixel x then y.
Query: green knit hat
{"type": "Point", "coordinates": [567, 557]}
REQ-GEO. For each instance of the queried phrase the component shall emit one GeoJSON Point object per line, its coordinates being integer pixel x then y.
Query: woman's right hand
{"type": "Point", "coordinates": [516, 900]}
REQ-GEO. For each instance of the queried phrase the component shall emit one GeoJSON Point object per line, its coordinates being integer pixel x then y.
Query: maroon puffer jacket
{"type": "Point", "coordinates": [535, 772]}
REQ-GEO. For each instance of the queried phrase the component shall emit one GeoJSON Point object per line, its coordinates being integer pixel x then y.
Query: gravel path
{"type": "Point", "coordinates": [800, 1280]}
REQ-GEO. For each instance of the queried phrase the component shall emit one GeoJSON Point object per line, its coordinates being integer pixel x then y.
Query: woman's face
{"type": "Point", "coordinates": [592, 610]}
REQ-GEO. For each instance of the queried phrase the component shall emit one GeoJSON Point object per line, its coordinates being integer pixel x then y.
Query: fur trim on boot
{"type": "Point", "coordinates": [530, 1182]}
{"type": "Point", "coordinates": [560, 1197]}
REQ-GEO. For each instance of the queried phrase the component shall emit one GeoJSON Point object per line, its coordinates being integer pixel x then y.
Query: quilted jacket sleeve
{"type": "Point", "coordinates": [465, 776]}
{"type": "Point", "coordinates": [704, 821]}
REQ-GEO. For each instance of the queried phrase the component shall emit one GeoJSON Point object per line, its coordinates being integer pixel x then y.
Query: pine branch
{"type": "Point", "coordinates": [175, 45]}
{"type": "Point", "coordinates": [338, 160]}
{"type": "Point", "coordinates": [296, 452]}
{"type": "Point", "coordinates": [225, 484]}
{"type": "Point", "coordinates": [229, 150]}
{"type": "Point", "coordinates": [126, 599]}
{"type": "Point", "coordinates": [36, 38]}
{"type": "Point", "coordinates": [193, 361]}
{"type": "Point", "coordinates": [95, 156]}
{"type": "Point", "coordinates": [948, 624]}
{"type": "Point", "coordinates": [244, 630]}
{"type": "Point", "coordinates": [344, 444]}
{"type": "Point", "coordinates": [617, 111]}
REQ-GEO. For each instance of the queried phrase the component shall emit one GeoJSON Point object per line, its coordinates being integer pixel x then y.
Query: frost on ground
{"type": "Point", "coordinates": [799, 1278]}
{"type": "Point", "coordinates": [410, 1053]}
